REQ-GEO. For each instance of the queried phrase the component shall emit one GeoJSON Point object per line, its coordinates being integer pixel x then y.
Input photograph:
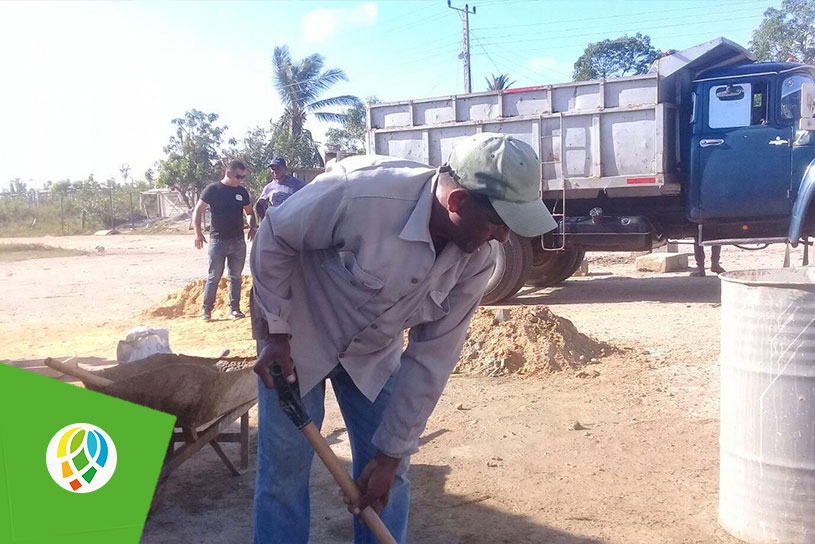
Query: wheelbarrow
{"type": "Point", "coordinates": [204, 394]}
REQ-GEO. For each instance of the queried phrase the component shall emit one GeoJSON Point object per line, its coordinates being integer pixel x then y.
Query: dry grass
{"type": "Point", "coordinates": [24, 252]}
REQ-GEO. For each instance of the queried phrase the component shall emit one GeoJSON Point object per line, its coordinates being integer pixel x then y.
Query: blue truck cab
{"type": "Point", "coordinates": [749, 152]}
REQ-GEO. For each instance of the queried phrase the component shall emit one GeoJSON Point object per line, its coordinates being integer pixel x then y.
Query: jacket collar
{"type": "Point", "coordinates": [417, 227]}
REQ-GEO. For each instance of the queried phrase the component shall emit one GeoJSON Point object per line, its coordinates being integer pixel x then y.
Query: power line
{"type": "Point", "coordinates": [486, 53]}
{"type": "Point", "coordinates": [561, 37]}
{"type": "Point", "coordinates": [551, 23]}
{"type": "Point", "coordinates": [642, 25]}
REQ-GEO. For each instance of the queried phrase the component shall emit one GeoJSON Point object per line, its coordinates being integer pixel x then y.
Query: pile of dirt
{"type": "Point", "coordinates": [189, 300]}
{"type": "Point", "coordinates": [525, 340]}
{"type": "Point", "coordinates": [522, 340]}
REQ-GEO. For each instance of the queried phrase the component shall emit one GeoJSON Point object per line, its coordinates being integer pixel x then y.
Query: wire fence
{"type": "Point", "coordinates": [79, 212]}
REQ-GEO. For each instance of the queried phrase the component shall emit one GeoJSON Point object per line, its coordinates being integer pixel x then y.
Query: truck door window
{"type": "Point", "coordinates": [738, 105]}
{"type": "Point", "coordinates": [791, 96]}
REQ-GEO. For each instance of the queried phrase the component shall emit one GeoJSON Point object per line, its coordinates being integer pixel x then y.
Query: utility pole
{"type": "Point", "coordinates": [465, 54]}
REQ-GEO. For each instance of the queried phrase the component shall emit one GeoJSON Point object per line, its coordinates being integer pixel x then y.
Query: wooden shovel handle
{"type": "Point", "coordinates": [368, 515]}
{"type": "Point", "coordinates": [76, 372]}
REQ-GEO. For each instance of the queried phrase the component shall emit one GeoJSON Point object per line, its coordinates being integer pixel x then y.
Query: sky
{"type": "Point", "coordinates": [89, 86]}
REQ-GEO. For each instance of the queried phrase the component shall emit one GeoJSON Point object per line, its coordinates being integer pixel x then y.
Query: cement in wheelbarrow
{"type": "Point", "coordinates": [194, 389]}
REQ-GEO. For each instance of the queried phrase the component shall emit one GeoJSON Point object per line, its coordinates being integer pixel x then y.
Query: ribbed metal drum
{"type": "Point", "coordinates": [767, 439]}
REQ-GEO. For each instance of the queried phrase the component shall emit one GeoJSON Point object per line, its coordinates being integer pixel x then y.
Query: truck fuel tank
{"type": "Point", "coordinates": [597, 232]}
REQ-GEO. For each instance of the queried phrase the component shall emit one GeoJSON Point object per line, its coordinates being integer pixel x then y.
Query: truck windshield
{"type": "Point", "coordinates": [791, 96]}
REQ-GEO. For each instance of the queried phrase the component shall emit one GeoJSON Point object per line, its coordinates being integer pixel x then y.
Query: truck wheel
{"type": "Point", "coordinates": [511, 268]}
{"type": "Point", "coordinates": [552, 267]}
{"type": "Point", "coordinates": [580, 255]}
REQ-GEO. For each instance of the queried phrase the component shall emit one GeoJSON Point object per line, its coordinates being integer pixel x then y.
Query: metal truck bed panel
{"type": "Point", "coordinates": [597, 133]}
{"type": "Point", "coordinates": [619, 136]}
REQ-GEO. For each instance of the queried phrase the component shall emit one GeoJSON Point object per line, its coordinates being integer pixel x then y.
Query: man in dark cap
{"type": "Point", "coordinates": [280, 187]}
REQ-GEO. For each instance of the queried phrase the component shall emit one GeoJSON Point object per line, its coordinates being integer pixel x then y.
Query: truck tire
{"type": "Point", "coordinates": [552, 267]}
{"type": "Point", "coordinates": [511, 269]}
{"type": "Point", "coordinates": [578, 260]}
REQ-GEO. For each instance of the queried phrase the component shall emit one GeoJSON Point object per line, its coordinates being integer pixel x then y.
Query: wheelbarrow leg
{"type": "Point", "coordinates": [192, 437]}
{"type": "Point", "coordinates": [245, 441]}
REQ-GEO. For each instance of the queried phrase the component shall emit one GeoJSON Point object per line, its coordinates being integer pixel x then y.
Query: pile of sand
{"type": "Point", "coordinates": [524, 340]}
{"type": "Point", "coordinates": [189, 301]}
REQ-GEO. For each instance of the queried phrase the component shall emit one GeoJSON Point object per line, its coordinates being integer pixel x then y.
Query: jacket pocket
{"type": "Point", "coordinates": [357, 285]}
{"type": "Point", "coordinates": [434, 307]}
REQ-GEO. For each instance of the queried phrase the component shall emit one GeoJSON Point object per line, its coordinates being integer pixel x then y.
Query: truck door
{"type": "Point", "coordinates": [743, 153]}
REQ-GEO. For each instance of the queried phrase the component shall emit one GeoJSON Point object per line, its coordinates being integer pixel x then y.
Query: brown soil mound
{"type": "Point", "coordinates": [189, 300]}
{"type": "Point", "coordinates": [529, 340]}
{"type": "Point", "coordinates": [522, 340]}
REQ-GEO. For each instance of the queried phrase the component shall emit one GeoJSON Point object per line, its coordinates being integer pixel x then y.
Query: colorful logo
{"type": "Point", "coordinates": [81, 458]}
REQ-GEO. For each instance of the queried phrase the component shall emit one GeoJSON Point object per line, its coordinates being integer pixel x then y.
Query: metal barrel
{"type": "Point", "coordinates": [767, 436]}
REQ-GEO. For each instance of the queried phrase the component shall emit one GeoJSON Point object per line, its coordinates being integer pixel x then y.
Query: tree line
{"type": "Point", "coordinates": [195, 153]}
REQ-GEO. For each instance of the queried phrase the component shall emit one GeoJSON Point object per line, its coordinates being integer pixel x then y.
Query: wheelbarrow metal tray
{"type": "Point", "coordinates": [191, 388]}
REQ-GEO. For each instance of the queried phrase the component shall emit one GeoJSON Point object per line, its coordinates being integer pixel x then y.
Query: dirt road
{"type": "Point", "coordinates": [499, 460]}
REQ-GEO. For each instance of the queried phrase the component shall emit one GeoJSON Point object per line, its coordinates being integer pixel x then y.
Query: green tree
{"type": "Point", "coordinates": [300, 86]}
{"type": "Point", "coordinates": [61, 188]}
{"type": "Point", "coordinates": [300, 150]}
{"type": "Point", "coordinates": [787, 32]}
{"type": "Point", "coordinates": [193, 155]}
{"type": "Point", "coordinates": [256, 150]}
{"type": "Point", "coordinates": [624, 56]}
{"type": "Point", "coordinates": [351, 137]}
{"type": "Point", "coordinates": [499, 82]}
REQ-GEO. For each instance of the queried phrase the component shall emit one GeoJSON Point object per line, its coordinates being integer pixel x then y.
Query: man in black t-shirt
{"type": "Point", "coordinates": [228, 200]}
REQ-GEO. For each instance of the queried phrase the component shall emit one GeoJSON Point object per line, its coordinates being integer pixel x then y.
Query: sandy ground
{"type": "Point", "coordinates": [499, 461]}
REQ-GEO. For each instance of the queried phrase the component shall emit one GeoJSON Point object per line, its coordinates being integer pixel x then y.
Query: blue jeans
{"type": "Point", "coordinates": [281, 510]}
{"type": "Point", "coordinates": [233, 251]}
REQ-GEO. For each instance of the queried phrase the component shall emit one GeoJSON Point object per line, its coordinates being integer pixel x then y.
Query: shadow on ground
{"type": "Point", "coordinates": [621, 289]}
{"type": "Point", "coordinates": [438, 516]}
{"type": "Point", "coordinates": [202, 504]}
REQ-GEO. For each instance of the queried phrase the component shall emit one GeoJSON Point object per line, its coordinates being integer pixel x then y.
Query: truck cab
{"type": "Point", "coordinates": [748, 151]}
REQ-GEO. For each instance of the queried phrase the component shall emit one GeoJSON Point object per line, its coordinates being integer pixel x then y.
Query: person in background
{"type": "Point", "coordinates": [280, 187]}
{"type": "Point", "coordinates": [228, 200]}
{"type": "Point", "coordinates": [699, 255]}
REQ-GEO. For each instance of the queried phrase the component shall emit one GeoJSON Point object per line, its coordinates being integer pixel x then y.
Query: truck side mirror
{"type": "Point", "coordinates": [807, 106]}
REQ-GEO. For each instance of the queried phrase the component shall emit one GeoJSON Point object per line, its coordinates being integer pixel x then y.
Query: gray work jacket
{"type": "Point", "coordinates": [346, 265]}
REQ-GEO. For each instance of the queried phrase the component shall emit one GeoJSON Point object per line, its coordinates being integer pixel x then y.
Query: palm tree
{"type": "Point", "coordinates": [300, 85]}
{"type": "Point", "coordinates": [499, 82]}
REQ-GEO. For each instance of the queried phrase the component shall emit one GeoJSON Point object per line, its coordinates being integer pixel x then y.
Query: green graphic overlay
{"type": "Point", "coordinates": [34, 508]}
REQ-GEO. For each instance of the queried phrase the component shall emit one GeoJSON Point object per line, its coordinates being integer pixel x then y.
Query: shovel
{"type": "Point", "coordinates": [291, 403]}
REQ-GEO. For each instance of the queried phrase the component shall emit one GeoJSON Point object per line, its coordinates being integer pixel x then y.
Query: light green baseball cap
{"type": "Point", "coordinates": [508, 172]}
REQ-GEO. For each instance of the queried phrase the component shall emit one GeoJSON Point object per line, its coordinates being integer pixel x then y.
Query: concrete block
{"type": "Point", "coordinates": [663, 262]}
{"type": "Point", "coordinates": [583, 269]}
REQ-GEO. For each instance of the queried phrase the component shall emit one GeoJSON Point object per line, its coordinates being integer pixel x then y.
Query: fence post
{"type": "Point", "coordinates": [132, 225]}
{"type": "Point", "coordinates": [62, 213]}
{"type": "Point", "coordinates": [112, 217]}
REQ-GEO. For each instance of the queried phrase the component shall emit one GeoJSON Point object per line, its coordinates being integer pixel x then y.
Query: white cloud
{"type": "Point", "coordinates": [323, 23]}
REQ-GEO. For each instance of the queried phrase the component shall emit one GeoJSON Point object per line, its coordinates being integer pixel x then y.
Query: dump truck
{"type": "Point", "coordinates": [709, 144]}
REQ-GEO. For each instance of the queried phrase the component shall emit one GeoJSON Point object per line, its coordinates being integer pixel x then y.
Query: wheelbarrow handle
{"type": "Point", "coordinates": [76, 372]}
